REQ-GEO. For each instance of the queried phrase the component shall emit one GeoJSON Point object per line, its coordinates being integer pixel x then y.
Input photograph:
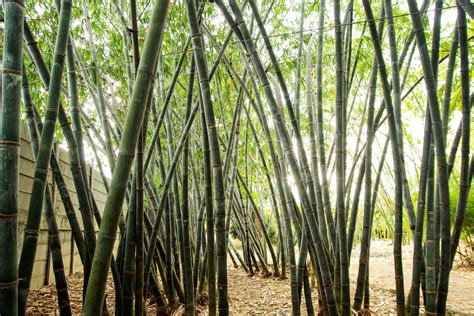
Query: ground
{"type": "Point", "coordinates": [271, 296]}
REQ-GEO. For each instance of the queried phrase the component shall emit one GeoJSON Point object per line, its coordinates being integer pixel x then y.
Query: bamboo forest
{"type": "Point", "coordinates": [243, 157]}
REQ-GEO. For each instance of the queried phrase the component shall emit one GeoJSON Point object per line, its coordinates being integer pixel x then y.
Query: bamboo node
{"type": "Point", "coordinates": [124, 153]}
{"type": "Point", "coordinates": [65, 305]}
{"type": "Point", "coordinates": [31, 232]}
{"type": "Point", "coordinates": [129, 272]}
{"type": "Point", "coordinates": [106, 236]}
{"type": "Point", "coordinates": [41, 171]}
{"type": "Point", "coordinates": [9, 143]}
{"type": "Point", "coordinates": [32, 43]}
{"type": "Point", "coordinates": [4, 285]}
{"type": "Point", "coordinates": [148, 72]}
{"type": "Point", "coordinates": [11, 216]}
{"type": "Point", "coordinates": [12, 71]}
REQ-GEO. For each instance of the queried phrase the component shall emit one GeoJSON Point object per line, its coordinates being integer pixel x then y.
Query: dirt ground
{"type": "Point", "coordinates": [256, 295]}
{"type": "Point", "coordinates": [271, 296]}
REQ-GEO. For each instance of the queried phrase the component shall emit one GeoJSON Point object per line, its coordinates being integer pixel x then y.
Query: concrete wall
{"type": "Point", "coordinates": [43, 271]}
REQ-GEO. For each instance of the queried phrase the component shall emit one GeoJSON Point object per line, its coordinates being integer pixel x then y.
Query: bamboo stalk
{"type": "Point", "coordinates": [443, 184]}
{"type": "Point", "coordinates": [9, 152]}
{"type": "Point", "coordinates": [467, 101]}
{"type": "Point", "coordinates": [221, 246]}
{"type": "Point", "coordinates": [108, 229]}
{"type": "Point", "coordinates": [54, 242]}
{"type": "Point", "coordinates": [396, 160]}
{"type": "Point", "coordinates": [30, 240]}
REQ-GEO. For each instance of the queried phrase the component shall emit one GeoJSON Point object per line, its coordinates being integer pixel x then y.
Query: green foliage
{"type": "Point", "coordinates": [468, 225]}
{"type": "Point", "coordinates": [271, 226]}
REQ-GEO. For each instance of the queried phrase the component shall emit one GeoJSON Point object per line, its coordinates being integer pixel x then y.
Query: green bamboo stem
{"type": "Point", "coordinates": [75, 113]}
{"type": "Point", "coordinates": [140, 178]}
{"type": "Point", "coordinates": [313, 145]}
{"type": "Point", "coordinates": [175, 213]}
{"type": "Point", "coordinates": [418, 259]}
{"type": "Point", "coordinates": [449, 82]}
{"type": "Point", "coordinates": [34, 122]}
{"type": "Point", "coordinates": [209, 214]}
{"type": "Point", "coordinates": [388, 102]}
{"type": "Point", "coordinates": [53, 232]}
{"type": "Point", "coordinates": [467, 6]}
{"type": "Point", "coordinates": [299, 60]}
{"type": "Point", "coordinates": [340, 166]}
{"type": "Point", "coordinates": [199, 244]}
{"type": "Point", "coordinates": [79, 181]}
{"type": "Point", "coordinates": [435, 47]}
{"type": "Point", "coordinates": [169, 255]}
{"type": "Point", "coordinates": [58, 266]}
{"type": "Point", "coordinates": [230, 161]}
{"type": "Point", "coordinates": [9, 152]}
{"type": "Point", "coordinates": [440, 154]}
{"type": "Point", "coordinates": [129, 272]}
{"type": "Point", "coordinates": [320, 124]}
{"type": "Point", "coordinates": [108, 229]}
{"type": "Point", "coordinates": [430, 300]}
{"type": "Point", "coordinates": [221, 247]}
{"type": "Point", "coordinates": [186, 247]}
{"type": "Point", "coordinates": [366, 228]}
{"type": "Point", "coordinates": [30, 240]}
{"type": "Point", "coordinates": [467, 101]}
{"type": "Point", "coordinates": [396, 92]}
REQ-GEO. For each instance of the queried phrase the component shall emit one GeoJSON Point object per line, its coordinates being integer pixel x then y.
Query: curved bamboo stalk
{"type": "Point", "coordinates": [108, 229]}
{"type": "Point", "coordinates": [221, 247]}
{"type": "Point", "coordinates": [449, 83]}
{"type": "Point", "coordinates": [30, 240]}
{"type": "Point", "coordinates": [440, 154]}
{"type": "Point", "coordinates": [467, 100]}
{"type": "Point", "coordinates": [396, 159]}
{"type": "Point", "coordinates": [396, 95]}
{"type": "Point", "coordinates": [79, 181]}
{"type": "Point", "coordinates": [418, 259]}
{"type": "Point", "coordinates": [366, 228]}
{"type": "Point", "coordinates": [314, 155]}
{"type": "Point", "coordinates": [467, 6]}
{"type": "Point", "coordinates": [34, 121]}
{"type": "Point", "coordinates": [53, 232]}
{"type": "Point", "coordinates": [320, 125]}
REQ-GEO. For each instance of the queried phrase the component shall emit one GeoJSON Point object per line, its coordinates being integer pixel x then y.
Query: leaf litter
{"type": "Point", "coordinates": [260, 295]}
